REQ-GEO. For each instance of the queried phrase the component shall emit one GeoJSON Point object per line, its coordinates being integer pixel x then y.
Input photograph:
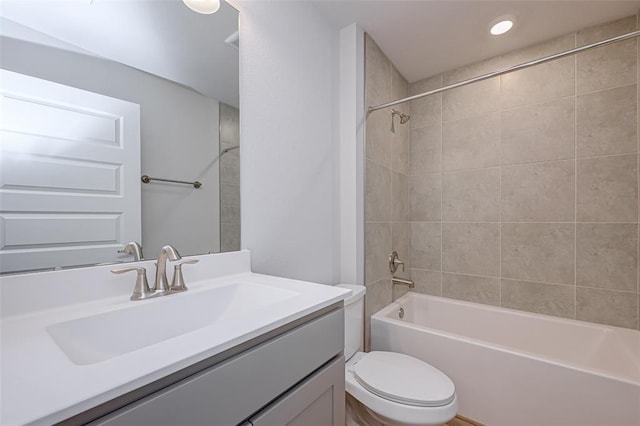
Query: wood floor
{"type": "Point", "coordinates": [461, 421]}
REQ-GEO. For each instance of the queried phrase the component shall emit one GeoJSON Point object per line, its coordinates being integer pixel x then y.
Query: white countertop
{"type": "Point", "coordinates": [41, 385]}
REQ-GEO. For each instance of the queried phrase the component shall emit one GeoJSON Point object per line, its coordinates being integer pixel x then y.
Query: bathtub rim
{"type": "Point", "coordinates": [385, 315]}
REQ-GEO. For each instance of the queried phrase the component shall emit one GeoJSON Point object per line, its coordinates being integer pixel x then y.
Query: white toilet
{"type": "Point", "coordinates": [395, 389]}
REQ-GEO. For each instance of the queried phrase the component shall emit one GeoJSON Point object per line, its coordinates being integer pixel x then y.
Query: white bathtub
{"type": "Point", "coordinates": [515, 368]}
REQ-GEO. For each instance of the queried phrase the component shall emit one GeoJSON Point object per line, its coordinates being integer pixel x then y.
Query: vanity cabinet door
{"type": "Point", "coordinates": [318, 401]}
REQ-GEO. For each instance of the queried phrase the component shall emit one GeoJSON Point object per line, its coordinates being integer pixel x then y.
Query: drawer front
{"type": "Point", "coordinates": [318, 401]}
{"type": "Point", "coordinates": [231, 391]}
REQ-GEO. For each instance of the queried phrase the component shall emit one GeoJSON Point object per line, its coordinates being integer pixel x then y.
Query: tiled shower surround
{"type": "Point", "coordinates": [520, 191]}
{"type": "Point", "coordinates": [229, 179]}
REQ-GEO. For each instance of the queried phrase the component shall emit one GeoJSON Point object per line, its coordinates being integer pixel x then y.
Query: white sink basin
{"type": "Point", "coordinates": [96, 338]}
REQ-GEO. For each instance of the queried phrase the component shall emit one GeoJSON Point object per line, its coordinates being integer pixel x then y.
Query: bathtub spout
{"type": "Point", "coordinates": [402, 281]}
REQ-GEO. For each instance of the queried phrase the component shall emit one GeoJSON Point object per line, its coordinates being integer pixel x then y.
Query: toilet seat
{"type": "Point", "coordinates": [396, 413]}
{"type": "Point", "coordinates": [403, 379]}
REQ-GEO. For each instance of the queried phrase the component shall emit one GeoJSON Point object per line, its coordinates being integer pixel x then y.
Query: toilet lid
{"type": "Point", "coordinates": [404, 379]}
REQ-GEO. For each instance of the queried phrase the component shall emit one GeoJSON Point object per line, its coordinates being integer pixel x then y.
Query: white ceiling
{"type": "Point", "coordinates": [421, 38]}
{"type": "Point", "coordinates": [424, 38]}
{"type": "Point", "coordinates": [162, 37]}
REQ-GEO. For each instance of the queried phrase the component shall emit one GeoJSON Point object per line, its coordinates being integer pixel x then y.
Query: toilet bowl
{"type": "Point", "coordinates": [395, 389]}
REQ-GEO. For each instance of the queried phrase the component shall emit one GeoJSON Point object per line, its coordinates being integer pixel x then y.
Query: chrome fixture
{"type": "Point", "coordinates": [402, 281]}
{"type": "Point", "coordinates": [141, 291]}
{"type": "Point", "coordinates": [403, 118]}
{"type": "Point", "coordinates": [134, 248]}
{"type": "Point", "coordinates": [177, 283]}
{"type": "Point", "coordinates": [509, 69]}
{"type": "Point", "coordinates": [161, 284]}
{"type": "Point", "coordinates": [231, 148]}
{"type": "Point", "coordinates": [147, 179]}
{"type": "Point", "coordinates": [394, 262]}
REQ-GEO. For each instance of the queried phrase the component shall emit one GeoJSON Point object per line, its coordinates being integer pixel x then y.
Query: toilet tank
{"type": "Point", "coordinates": [353, 319]}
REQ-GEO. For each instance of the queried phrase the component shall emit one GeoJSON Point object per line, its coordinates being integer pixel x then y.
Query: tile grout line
{"type": "Point", "coordinates": [500, 194]}
{"type": "Point", "coordinates": [529, 281]}
{"type": "Point", "coordinates": [441, 188]}
{"type": "Point", "coordinates": [575, 182]}
{"type": "Point", "coordinates": [638, 184]}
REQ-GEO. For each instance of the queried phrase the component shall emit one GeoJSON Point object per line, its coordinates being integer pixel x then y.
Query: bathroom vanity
{"type": "Point", "coordinates": [236, 348]}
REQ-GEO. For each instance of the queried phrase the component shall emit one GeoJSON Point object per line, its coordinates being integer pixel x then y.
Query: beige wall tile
{"type": "Point", "coordinates": [471, 248]}
{"type": "Point", "coordinates": [400, 241]}
{"type": "Point", "coordinates": [428, 110]}
{"type": "Point", "coordinates": [377, 241]}
{"type": "Point", "coordinates": [607, 255]}
{"type": "Point", "coordinates": [378, 192]}
{"type": "Point", "coordinates": [546, 48]}
{"type": "Point", "coordinates": [377, 297]}
{"type": "Point", "coordinates": [471, 288]}
{"type": "Point", "coordinates": [427, 282]}
{"type": "Point", "coordinates": [230, 168]}
{"type": "Point", "coordinates": [540, 192]}
{"type": "Point", "coordinates": [533, 85]}
{"type": "Point", "coordinates": [471, 143]}
{"type": "Point", "coordinates": [399, 148]}
{"type": "Point", "coordinates": [378, 137]}
{"type": "Point", "coordinates": [607, 66]}
{"type": "Point", "coordinates": [607, 307]}
{"type": "Point", "coordinates": [399, 87]}
{"type": "Point", "coordinates": [229, 237]}
{"type": "Point", "coordinates": [471, 196]}
{"type": "Point", "coordinates": [540, 132]}
{"type": "Point", "coordinates": [424, 245]}
{"type": "Point", "coordinates": [399, 196]}
{"type": "Point", "coordinates": [229, 203]}
{"type": "Point", "coordinates": [608, 189]}
{"type": "Point", "coordinates": [548, 299]}
{"type": "Point", "coordinates": [538, 252]}
{"type": "Point", "coordinates": [425, 154]}
{"type": "Point", "coordinates": [472, 70]}
{"type": "Point", "coordinates": [471, 101]}
{"type": "Point", "coordinates": [425, 197]}
{"type": "Point", "coordinates": [377, 73]}
{"type": "Point", "coordinates": [400, 139]}
{"type": "Point", "coordinates": [607, 122]}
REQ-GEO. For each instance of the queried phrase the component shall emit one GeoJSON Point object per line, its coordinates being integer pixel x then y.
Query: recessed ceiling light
{"type": "Point", "coordinates": [501, 25]}
{"type": "Point", "coordinates": [203, 6]}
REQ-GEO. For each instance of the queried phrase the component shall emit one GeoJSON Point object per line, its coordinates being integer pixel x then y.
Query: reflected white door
{"type": "Point", "coordinates": [69, 175]}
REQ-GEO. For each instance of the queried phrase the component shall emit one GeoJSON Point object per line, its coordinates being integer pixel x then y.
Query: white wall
{"type": "Point", "coordinates": [179, 137]}
{"type": "Point", "coordinates": [288, 102]}
{"type": "Point", "coordinates": [352, 130]}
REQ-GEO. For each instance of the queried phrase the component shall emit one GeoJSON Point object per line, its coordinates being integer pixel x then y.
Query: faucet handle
{"type": "Point", "coordinates": [141, 291]}
{"type": "Point", "coordinates": [394, 262]}
{"type": "Point", "coordinates": [177, 283]}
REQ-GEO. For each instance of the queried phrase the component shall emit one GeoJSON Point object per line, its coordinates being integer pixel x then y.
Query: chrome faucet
{"type": "Point", "coordinates": [161, 284]}
{"type": "Point", "coordinates": [134, 248]}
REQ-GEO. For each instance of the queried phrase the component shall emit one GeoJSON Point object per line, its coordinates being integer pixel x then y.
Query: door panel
{"type": "Point", "coordinates": [69, 175]}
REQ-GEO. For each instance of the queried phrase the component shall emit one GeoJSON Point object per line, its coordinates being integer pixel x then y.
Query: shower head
{"type": "Point", "coordinates": [403, 118]}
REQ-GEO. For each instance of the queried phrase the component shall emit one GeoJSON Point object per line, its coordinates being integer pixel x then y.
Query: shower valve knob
{"type": "Point", "coordinates": [394, 262]}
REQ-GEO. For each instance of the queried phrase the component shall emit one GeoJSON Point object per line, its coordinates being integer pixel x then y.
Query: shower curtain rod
{"type": "Point", "coordinates": [509, 69]}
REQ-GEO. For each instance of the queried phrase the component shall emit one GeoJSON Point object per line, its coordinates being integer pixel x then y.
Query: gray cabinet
{"type": "Point", "coordinates": [318, 401]}
{"type": "Point", "coordinates": [297, 375]}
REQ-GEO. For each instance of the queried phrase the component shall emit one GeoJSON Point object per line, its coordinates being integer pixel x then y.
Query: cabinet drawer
{"type": "Point", "coordinates": [318, 401]}
{"type": "Point", "coordinates": [231, 391]}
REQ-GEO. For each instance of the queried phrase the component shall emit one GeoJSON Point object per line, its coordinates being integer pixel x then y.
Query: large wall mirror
{"type": "Point", "coordinates": [97, 94]}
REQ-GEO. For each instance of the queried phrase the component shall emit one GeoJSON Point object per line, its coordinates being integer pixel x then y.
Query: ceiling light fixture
{"type": "Point", "coordinates": [501, 25]}
{"type": "Point", "coordinates": [203, 6]}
